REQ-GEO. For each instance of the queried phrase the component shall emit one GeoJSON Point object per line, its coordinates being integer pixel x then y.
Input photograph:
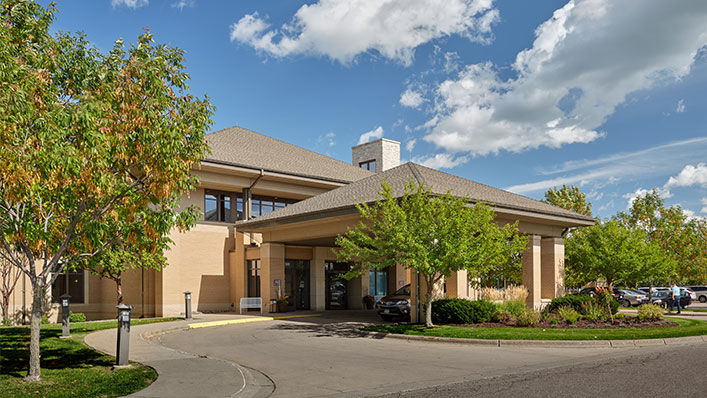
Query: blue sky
{"type": "Point", "coordinates": [608, 95]}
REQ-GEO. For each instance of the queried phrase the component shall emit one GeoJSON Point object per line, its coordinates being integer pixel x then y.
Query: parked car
{"type": "Point", "coordinates": [630, 297]}
{"type": "Point", "coordinates": [700, 292]}
{"type": "Point", "coordinates": [688, 291]}
{"type": "Point", "coordinates": [592, 291]}
{"type": "Point", "coordinates": [663, 298]}
{"type": "Point", "coordinates": [395, 306]}
{"type": "Point", "coordinates": [646, 289]}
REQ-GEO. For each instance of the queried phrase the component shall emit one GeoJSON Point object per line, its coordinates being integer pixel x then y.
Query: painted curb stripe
{"type": "Point", "coordinates": [245, 320]}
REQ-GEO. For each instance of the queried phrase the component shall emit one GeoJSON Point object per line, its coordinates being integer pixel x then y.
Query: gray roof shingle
{"type": "Point", "coordinates": [237, 146]}
{"type": "Point", "coordinates": [366, 190]}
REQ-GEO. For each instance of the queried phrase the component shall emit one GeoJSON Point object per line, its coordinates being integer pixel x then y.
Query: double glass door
{"type": "Point", "coordinates": [297, 283]}
{"type": "Point", "coordinates": [336, 285]}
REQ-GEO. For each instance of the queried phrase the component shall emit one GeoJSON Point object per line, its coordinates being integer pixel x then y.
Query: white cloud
{"type": "Point", "coordinates": [411, 144]}
{"type": "Point", "coordinates": [411, 98]}
{"type": "Point", "coordinates": [441, 161]}
{"type": "Point", "coordinates": [368, 136]}
{"type": "Point", "coordinates": [704, 203]}
{"type": "Point", "coordinates": [343, 29]}
{"type": "Point", "coordinates": [658, 160]}
{"type": "Point", "coordinates": [130, 3]}
{"type": "Point", "coordinates": [681, 106]}
{"type": "Point", "coordinates": [584, 62]}
{"type": "Point", "coordinates": [631, 196]}
{"type": "Point", "coordinates": [688, 176]}
{"type": "Point", "coordinates": [182, 4]}
{"type": "Point", "coordinates": [327, 139]}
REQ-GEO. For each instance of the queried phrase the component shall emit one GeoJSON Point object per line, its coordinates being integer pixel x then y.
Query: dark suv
{"type": "Point", "coordinates": [664, 299]}
{"type": "Point", "coordinates": [395, 306]}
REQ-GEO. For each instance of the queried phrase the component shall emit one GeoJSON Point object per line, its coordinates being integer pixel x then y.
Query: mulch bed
{"type": "Point", "coordinates": [627, 323]}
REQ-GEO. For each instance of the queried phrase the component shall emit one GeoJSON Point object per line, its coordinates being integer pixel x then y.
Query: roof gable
{"type": "Point", "coordinates": [439, 183]}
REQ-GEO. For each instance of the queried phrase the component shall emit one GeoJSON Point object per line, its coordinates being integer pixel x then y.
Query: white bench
{"type": "Point", "coordinates": [251, 302]}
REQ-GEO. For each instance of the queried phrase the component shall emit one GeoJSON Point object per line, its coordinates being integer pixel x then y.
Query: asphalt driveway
{"type": "Point", "coordinates": [325, 355]}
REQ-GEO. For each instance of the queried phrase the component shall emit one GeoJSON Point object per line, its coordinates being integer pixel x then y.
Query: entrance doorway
{"type": "Point", "coordinates": [336, 285]}
{"type": "Point", "coordinates": [297, 283]}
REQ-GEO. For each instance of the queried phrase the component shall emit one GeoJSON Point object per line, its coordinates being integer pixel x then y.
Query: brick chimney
{"type": "Point", "coordinates": [379, 155]}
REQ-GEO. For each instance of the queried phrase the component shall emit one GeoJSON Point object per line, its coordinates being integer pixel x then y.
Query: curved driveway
{"type": "Point", "coordinates": [322, 356]}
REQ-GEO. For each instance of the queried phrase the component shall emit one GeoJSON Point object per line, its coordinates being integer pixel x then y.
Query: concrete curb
{"type": "Point", "coordinates": [543, 343]}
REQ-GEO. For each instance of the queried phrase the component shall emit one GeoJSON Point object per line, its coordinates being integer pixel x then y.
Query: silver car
{"type": "Point", "coordinates": [633, 297]}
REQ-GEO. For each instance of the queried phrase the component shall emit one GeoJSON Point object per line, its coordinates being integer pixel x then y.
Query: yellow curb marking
{"type": "Point", "coordinates": [245, 320]}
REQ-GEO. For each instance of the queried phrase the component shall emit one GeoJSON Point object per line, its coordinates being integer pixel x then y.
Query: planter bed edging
{"type": "Point", "coordinates": [543, 343]}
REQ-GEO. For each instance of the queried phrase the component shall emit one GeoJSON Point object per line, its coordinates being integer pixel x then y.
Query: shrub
{"type": "Point", "coordinates": [513, 307]}
{"type": "Point", "coordinates": [490, 294]}
{"type": "Point", "coordinates": [528, 317]}
{"type": "Point", "coordinates": [503, 316]}
{"type": "Point", "coordinates": [456, 310]}
{"type": "Point", "coordinates": [593, 312]}
{"type": "Point", "coordinates": [575, 301]}
{"type": "Point", "coordinates": [602, 298]}
{"type": "Point", "coordinates": [650, 312]}
{"type": "Point", "coordinates": [507, 294]}
{"type": "Point", "coordinates": [6, 321]}
{"type": "Point", "coordinates": [45, 320]}
{"type": "Point", "coordinates": [77, 317]}
{"type": "Point", "coordinates": [620, 315]}
{"type": "Point", "coordinates": [568, 314]}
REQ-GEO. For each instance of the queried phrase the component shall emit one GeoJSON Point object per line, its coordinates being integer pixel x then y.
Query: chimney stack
{"type": "Point", "coordinates": [376, 156]}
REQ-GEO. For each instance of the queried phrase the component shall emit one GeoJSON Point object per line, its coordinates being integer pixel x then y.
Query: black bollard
{"type": "Point", "coordinates": [123, 349]}
{"type": "Point", "coordinates": [65, 312]}
{"type": "Point", "coordinates": [187, 305]}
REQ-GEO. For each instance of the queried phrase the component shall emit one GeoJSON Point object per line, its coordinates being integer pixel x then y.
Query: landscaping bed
{"type": "Point", "coordinates": [627, 322]}
{"type": "Point", "coordinates": [682, 328]}
{"type": "Point", "coordinates": [69, 367]}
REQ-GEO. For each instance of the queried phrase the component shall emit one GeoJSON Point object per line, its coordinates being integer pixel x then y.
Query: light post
{"type": "Point", "coordinates": [123, 349]}
{"type": "Point", "coordinates": [187, 305]}
{"type": "Point", "coordinates": [65, 312]}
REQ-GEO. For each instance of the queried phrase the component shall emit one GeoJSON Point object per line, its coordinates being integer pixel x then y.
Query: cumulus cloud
{"type": "Point", "coordinates": [689, 176]}
{"type": "Point", "coordinates": [343, 29]}
{"type": "Point", "coordinates": [704, 203]}
{"type": "Point", "coordinates": [681, 106]}
{"type": "Point", "coordinates": [410, 144]}
{"type": "Point", "coordinates": [585, 60]}
{"type": "Point", "coordinates": [441, 161]}
{"type": "Point", "coordinates": [130, 3]}
{"type": "Point", "coordinates": [370, 135]}
{"type": "Point", "coordinates": [411, 98]}
{"type": "Point", "coordinates": [631, 196]}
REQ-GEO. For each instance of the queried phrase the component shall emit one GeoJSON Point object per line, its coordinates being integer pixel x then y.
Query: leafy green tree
{"type": "Point", "coordinates": [569, 197]}
{"type": "Point", "coordinates": [615, 253]}
{"type": "Point", "coordinates": [97, 149]}
{"type": "Point", "coordinates": [684, 240]}
{"type": "Point", "coordinates": [430, 235]}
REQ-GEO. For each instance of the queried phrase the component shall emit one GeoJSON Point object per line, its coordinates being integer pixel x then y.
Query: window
{"type": "Point", "coordinates": [378, 283]}
{"type": "Point", "coordinates": [72, 282]}
{"type": "Point", "coordinates": [253, 267]}
{"type": "Point", "coordinates": [368, 165]}
{"type": "Point", "coordinates": [223, 206]}
{"type": "Point", "coordinates": [262, 205]}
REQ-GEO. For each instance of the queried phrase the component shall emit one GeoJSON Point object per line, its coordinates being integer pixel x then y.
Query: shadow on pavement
{"type": "Point", "coordinates": [343, 323]}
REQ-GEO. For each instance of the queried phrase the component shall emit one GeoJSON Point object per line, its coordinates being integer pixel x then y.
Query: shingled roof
{"type": "Point", "coordinates": [237, 146]}
{"type": "Point", "coordinates": [367, 189]}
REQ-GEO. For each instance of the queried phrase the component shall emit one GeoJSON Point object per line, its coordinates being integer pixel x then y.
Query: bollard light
{"type": "Point", "coordinates": [187, 305]}
{"type": "Point", "coordinates": [123, 349]}
{"type": "Point", "coordinates": [65, 312]}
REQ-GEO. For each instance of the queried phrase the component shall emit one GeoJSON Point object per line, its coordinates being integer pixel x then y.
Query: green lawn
{"type": "Point", "coordinates": [69, 367]}
{"type": "Point", "coordinates": [687, 327]}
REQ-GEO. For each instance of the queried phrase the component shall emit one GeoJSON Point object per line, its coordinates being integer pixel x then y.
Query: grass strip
{"type": "Point", "coordinates": [686, 327]}
{"type": "Point", "coordinates": [69, 367]}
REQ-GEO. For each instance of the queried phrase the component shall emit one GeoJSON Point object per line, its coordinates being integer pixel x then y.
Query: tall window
{"type": "Point", "coordinates": [368, 165]}
{"type": "Point", "coordinates": [253, 267]}
{"type": "Point", "coordinates": [378, 283]}
{"type": "Point", "coordinates": [223, 206]}
{"type": "Point", "coordinates": [262, 205]}
{"type": "Point", "coordinates": [70, 282]}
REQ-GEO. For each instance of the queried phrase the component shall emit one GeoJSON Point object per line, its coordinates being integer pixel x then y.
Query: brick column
{"type": "Point", "coordinates": [272, 264]}
{"type": "Point", "coordinates": [531, 271]}
{"type": "Point", "coordinates": [317, 283]}
{"type": "Point", "coordinates": [552, 255]}
{"type": "Point", "coordinates": [457, 285]}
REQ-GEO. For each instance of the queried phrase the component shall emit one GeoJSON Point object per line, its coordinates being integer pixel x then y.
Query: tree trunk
{"type": "Point", "coordinates": [119, 288]}
{"type": "Point", "coordinates": [428, 303]}
{"type": "Point", "coordinates": [5, 306]}
{"type": "Point", "coordinates": [34, 372]}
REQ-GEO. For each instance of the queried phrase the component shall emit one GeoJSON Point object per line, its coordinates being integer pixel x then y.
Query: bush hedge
{"type": "Point", "coordinates": [77, 317]}
{"type": "Point", "coordinates": [461, 311]}
{"type": "Point", "coordinates": [579, 301]}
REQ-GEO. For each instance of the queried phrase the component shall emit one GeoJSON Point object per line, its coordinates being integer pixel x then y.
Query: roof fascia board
{"type": "Point", "coordinates": [257, 172]}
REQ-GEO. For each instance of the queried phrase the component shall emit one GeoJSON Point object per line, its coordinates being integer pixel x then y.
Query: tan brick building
{"type": "Point", "coordinates": [270, 214]}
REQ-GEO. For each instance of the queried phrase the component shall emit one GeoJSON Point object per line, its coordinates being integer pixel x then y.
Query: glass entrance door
{"type": "Point", "coordinates": [297, 283]}
{"type": "Point", "coordinates": [336, 285]}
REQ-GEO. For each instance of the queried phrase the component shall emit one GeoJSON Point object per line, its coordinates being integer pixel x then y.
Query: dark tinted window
{"type": "Point", "coordinates": [71, 282]}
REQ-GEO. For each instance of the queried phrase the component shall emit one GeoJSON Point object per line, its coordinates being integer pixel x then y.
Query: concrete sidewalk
{"type": "Point", "coordinates": [181, 374]}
